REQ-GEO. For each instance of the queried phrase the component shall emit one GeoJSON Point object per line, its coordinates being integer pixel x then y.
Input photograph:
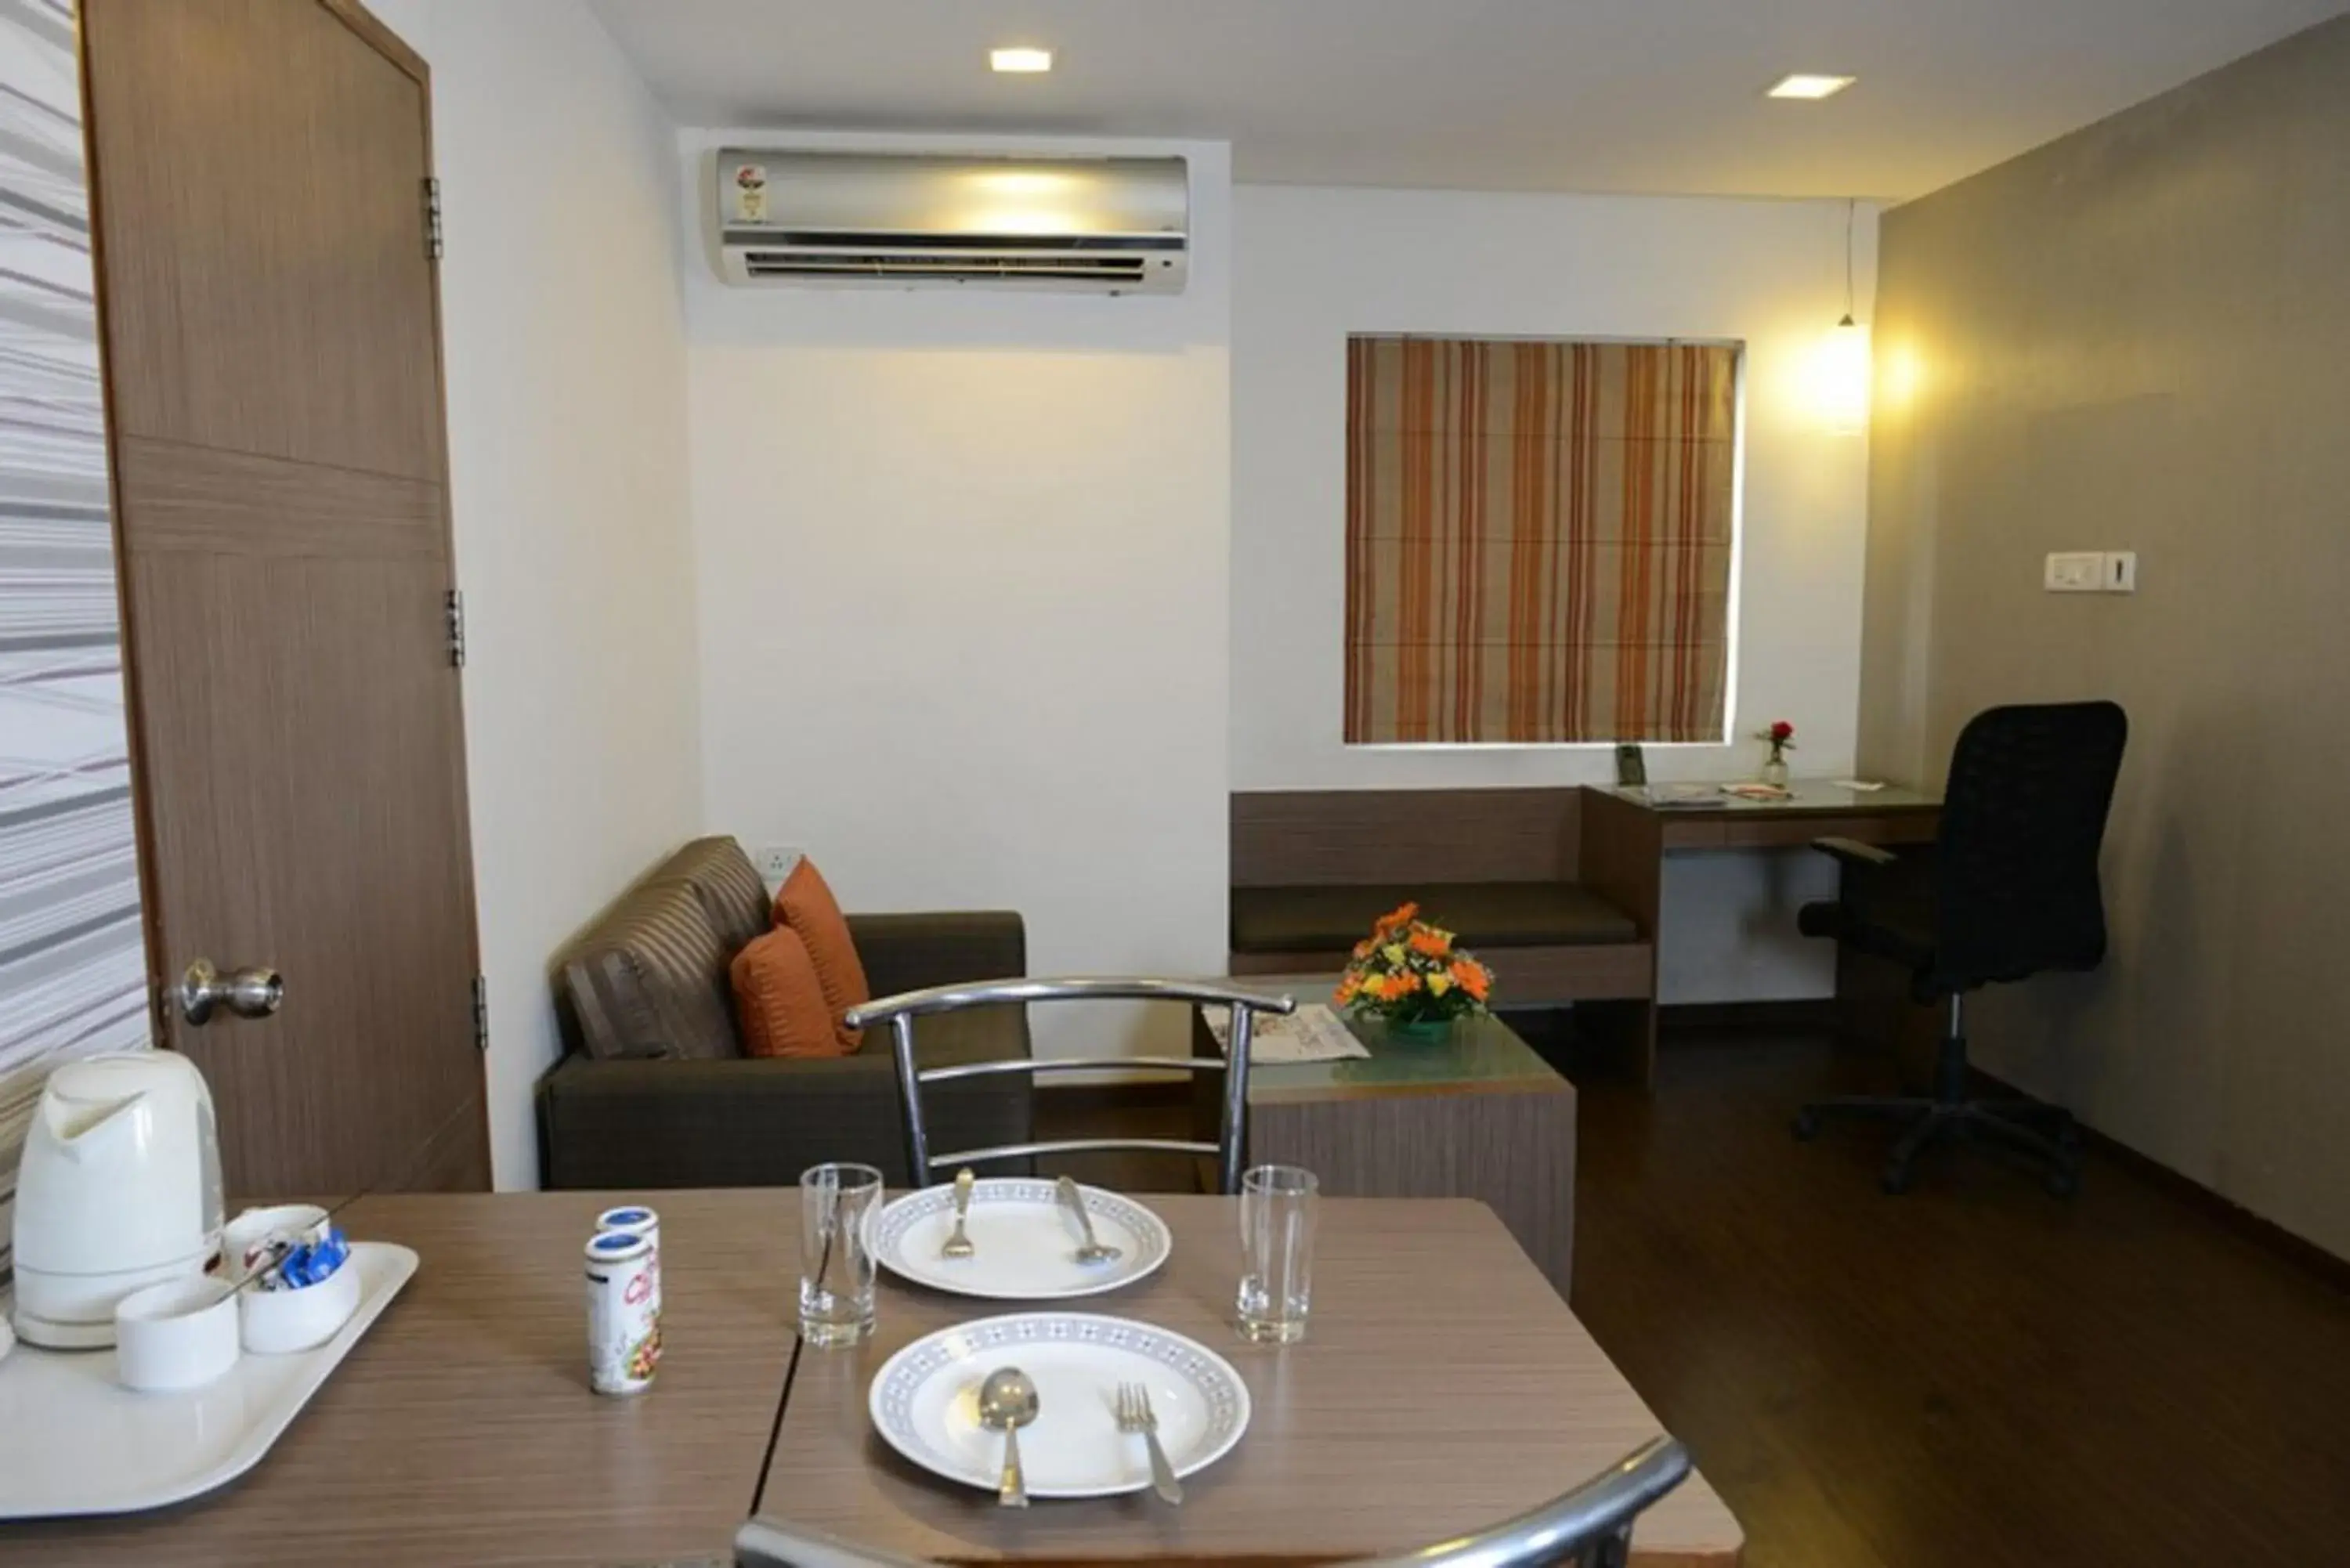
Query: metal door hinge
{"type": "Point", "coordinates": [454, 606]}
{"type": "Point", "coordinates": [431, 219]}
{"type": "Point", "coordinates": [481, 1015]}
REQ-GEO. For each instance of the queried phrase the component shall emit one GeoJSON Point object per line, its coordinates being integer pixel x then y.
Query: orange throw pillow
{"type": "Point", "coordinates": [806, 906]}
{"type": "Point", "coordinates": [779, 1002]}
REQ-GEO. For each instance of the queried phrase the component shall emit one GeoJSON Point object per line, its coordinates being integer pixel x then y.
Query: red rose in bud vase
{"type": "Point", "coordinates": [1781, 737]}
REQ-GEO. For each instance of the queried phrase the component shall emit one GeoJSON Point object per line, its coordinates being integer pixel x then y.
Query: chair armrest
{"type": "Point", "coordinates": [912, 952]}
{"type": "Point", "coordinates": [735, 1122]}
{"type": "Point", "coordinates": [1853, 852]}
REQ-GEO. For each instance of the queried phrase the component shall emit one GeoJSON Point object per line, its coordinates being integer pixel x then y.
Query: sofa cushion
{"type": "Point", "coordinates": [778, 1002]}
{"type": "Point", "coordinates": [649, 977]}
{"type": "Point", "coordinates": [1481, 914]}
{"type": "Point", "coordinates": [806, 904]}
{"type": "Point", "coordinates": [729, 886]}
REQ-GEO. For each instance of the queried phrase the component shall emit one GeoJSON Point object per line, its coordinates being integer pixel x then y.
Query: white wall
{"type": "Point", "coordinates": [563, 332]}
{"type": "Point", "coordinates": [962, 564]}
{"type": "Point", "coordinates": [1313, 265]}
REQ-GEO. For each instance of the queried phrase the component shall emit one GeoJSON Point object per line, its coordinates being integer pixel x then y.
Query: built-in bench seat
{"type": "Point", "coordinates": [1311, 871]}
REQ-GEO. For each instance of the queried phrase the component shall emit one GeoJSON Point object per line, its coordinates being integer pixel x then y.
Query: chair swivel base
{"type": "Point", "coordinates": [1931, 1121]}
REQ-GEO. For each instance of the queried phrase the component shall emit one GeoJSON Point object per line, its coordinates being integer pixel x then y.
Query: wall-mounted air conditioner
{"type": "Point", "coordinates": [1116, 225]}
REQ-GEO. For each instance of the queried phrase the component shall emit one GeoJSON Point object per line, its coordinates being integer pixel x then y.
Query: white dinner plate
{"type": "Point", "coordinates": [925, 1402]}
{"type": "Point", "coordinates": [1023, 1243]}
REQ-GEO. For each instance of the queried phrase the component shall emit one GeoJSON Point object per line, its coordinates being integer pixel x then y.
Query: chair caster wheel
{"type": "Point", "coordinates": [2062, 1181]}
{"type": "Point", "coordinates": [1897, 1181]}
{"type": "Point", "coordinates": [1807, 1127]}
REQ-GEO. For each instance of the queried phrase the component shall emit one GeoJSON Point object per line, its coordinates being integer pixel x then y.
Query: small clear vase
{"type": "Point", "coordinates": [1775, 772]}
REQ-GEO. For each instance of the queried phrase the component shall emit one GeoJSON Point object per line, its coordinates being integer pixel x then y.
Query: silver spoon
{"type": "Point", "coordinates": [1007, 1401]}
{"type": "Point", "coordinates": [1092, 1252]}
{"type": "Point", "coordinates": [959, 1245]}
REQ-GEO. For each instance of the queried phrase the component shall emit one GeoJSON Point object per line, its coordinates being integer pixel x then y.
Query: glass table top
{"type": "Point", "coordinates": [1477, 1052]}
{"type": "Point", "coordinates": [1822, 795]}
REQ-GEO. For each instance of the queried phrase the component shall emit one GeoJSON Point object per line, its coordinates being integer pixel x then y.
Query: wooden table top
{"type": "Point", "coordinates": [1443, 1386]}
{"type": "Point", "coordinates": [462, 1428]}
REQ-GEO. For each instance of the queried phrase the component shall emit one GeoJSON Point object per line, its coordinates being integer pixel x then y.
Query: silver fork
{"type": "Point", "coordinates": [958, 1245]}
{"type": "Point", "coordinates": [1134, 1415]}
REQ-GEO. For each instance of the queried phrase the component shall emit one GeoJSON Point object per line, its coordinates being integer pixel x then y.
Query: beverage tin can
{"type": "Point", "coordinates": [623, 1314]}
{"type": "Point", "coordinates": [636, 1219]}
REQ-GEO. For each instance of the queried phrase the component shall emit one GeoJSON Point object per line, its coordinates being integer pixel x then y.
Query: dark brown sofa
{"type": "Point", "coordinates": [654, 1091]}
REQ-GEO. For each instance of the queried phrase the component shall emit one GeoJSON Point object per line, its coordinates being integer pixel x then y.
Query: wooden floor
{"type": "Point", "coordinates": [1975, 1374]}
{"type": "Point", "coordinates": [1971, 1376]}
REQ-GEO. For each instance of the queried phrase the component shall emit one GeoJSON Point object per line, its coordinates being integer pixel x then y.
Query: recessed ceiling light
{"type": "Point", "coordinates": [1021, 60]}
{"type": "Point", "coordinates": [1803, 84]}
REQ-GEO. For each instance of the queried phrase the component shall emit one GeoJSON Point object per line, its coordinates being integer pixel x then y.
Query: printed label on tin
{"type": "Point", "coordinates": [623, 1328]}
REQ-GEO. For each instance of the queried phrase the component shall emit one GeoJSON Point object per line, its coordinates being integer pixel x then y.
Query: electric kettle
{"type": "Point", "coordinates": [119, 1189]}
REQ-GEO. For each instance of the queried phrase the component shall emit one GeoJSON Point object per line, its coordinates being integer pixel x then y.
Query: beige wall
{"type": "Point", "coordinates": [2139, 338]}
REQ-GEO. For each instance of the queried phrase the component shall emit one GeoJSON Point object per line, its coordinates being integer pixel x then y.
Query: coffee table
{"type": "Point", "coordinates": [1475, 1115]}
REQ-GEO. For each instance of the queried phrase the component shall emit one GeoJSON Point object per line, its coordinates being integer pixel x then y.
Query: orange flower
{"type": "Point", "coordinates": [1397, 919]}
{"type": "Point", "coordinates": [1363, 948]}
{"type": "Point", "coordinates": [1405, 983]}
{"type": "Point", "coordinates": [1348, 987]}
{"type": "Point", "coordinates": [1472, 977]}
{"type": "Point", "coordinates": [1428, 939]}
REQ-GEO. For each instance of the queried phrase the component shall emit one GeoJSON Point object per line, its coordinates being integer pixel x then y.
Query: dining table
{"type": "Point", "coordinates": [1443, 1386]}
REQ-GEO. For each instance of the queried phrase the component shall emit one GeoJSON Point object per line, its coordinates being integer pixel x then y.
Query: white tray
{"type": "Point", "coordinates": [73, 1441]}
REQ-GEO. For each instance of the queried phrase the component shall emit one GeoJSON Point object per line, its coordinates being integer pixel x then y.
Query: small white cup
{"type": "Point", "coordinates": [280, 1322]}
{"type": "Point", "coordinates": [177, 1336]}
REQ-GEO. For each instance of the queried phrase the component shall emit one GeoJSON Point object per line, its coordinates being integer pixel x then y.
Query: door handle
{"type": "Point", "coordinates": [247, 993]}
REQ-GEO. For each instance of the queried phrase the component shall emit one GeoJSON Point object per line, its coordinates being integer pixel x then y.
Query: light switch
{"type": "Point", "coordinates": [2075, 572]}
{"type": "Point", "coordinates": [2121, 571]}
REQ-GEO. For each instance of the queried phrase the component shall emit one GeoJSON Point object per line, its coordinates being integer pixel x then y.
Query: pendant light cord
{"type": "Point", "coordinates": [1849, 204]}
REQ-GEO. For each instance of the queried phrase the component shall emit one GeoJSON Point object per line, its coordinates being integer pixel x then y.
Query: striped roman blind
{"type": "Point", "coordinates": [1538, 539]}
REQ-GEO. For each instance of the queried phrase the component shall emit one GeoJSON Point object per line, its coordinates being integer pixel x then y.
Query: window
{"type": "Point", "coordinates": [1538, 539]}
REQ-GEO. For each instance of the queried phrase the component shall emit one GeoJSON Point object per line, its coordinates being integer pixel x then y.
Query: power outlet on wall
{"type": "Point", "coordinates": [777, 860]}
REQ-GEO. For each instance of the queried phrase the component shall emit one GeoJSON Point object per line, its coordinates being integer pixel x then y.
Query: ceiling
{"type": "Point", "coordinates": [1660, 96]}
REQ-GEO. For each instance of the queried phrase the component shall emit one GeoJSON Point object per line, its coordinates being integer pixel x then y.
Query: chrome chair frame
{"type": "Point", "coordinates": [1590, 1527]}
{"type": "Point", "coordinates": [900, 1012]}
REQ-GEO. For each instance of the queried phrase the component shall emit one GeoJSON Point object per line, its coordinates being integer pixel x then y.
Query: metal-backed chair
{"type": "Point", "coordinates": [900, 1012]}
{"type": "Point", "coordinates": [1590, 1527]}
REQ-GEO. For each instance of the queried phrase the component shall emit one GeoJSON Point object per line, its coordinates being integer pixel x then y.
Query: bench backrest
{"type": "Point", "coordinates": [1286, 838]}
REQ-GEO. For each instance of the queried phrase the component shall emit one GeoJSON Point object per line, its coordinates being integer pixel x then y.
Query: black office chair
{"type": "Point", "coordinates": [2013, 890]}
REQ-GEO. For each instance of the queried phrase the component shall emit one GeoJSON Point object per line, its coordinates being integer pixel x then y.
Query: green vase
{"type": "Point", "coordinates": [1420, 1030]}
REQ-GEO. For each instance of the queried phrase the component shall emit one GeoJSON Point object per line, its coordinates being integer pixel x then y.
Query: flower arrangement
{"type": "Point", "coordinates": [1408, 972]}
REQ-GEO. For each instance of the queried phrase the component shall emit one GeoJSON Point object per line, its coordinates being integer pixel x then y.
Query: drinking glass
{"type": "Point", "coordinates": [1277, 1204]}
{"type": "Point", "coordinates": [835, 1268]}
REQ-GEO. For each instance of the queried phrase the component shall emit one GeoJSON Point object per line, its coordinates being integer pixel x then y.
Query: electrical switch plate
{"type": "Point", "coordinates": [777, 860]}
{"type": "Point", "coordinates": [2074, 572]}
{"type": "Point", "coordinates": [2121, 571]}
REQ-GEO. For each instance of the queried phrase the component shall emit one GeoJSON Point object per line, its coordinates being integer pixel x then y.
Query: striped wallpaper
{"type": "Point", "coordinates": [73, 967]}
{"type": "Point", "coordinates": [1538, 539]}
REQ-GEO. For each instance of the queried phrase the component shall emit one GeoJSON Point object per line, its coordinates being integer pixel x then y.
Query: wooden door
{"type": "Point", "coordinates": [270, 317]}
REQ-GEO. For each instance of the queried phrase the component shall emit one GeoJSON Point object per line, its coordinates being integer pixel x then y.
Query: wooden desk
{"type": "Point", "coordinates": [1443, 1386]}
{"type": "Point", "coordinates": [462, 1428]}
{"type": "Point", "coordinates": [1625, 840]}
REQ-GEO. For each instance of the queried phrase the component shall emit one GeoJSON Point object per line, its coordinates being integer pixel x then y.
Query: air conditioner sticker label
{"type": "Point", "coordinates": [750, 192]}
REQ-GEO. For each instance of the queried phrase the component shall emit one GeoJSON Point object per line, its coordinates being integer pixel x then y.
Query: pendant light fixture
{"type": "Point", "coordinates": [1841, 372]}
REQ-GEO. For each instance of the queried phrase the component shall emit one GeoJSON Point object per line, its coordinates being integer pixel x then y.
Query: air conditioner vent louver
{"type": "Point", "coordinates": [1116, 225]}
{"type": "Point", "coordinates": [897, 264]}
